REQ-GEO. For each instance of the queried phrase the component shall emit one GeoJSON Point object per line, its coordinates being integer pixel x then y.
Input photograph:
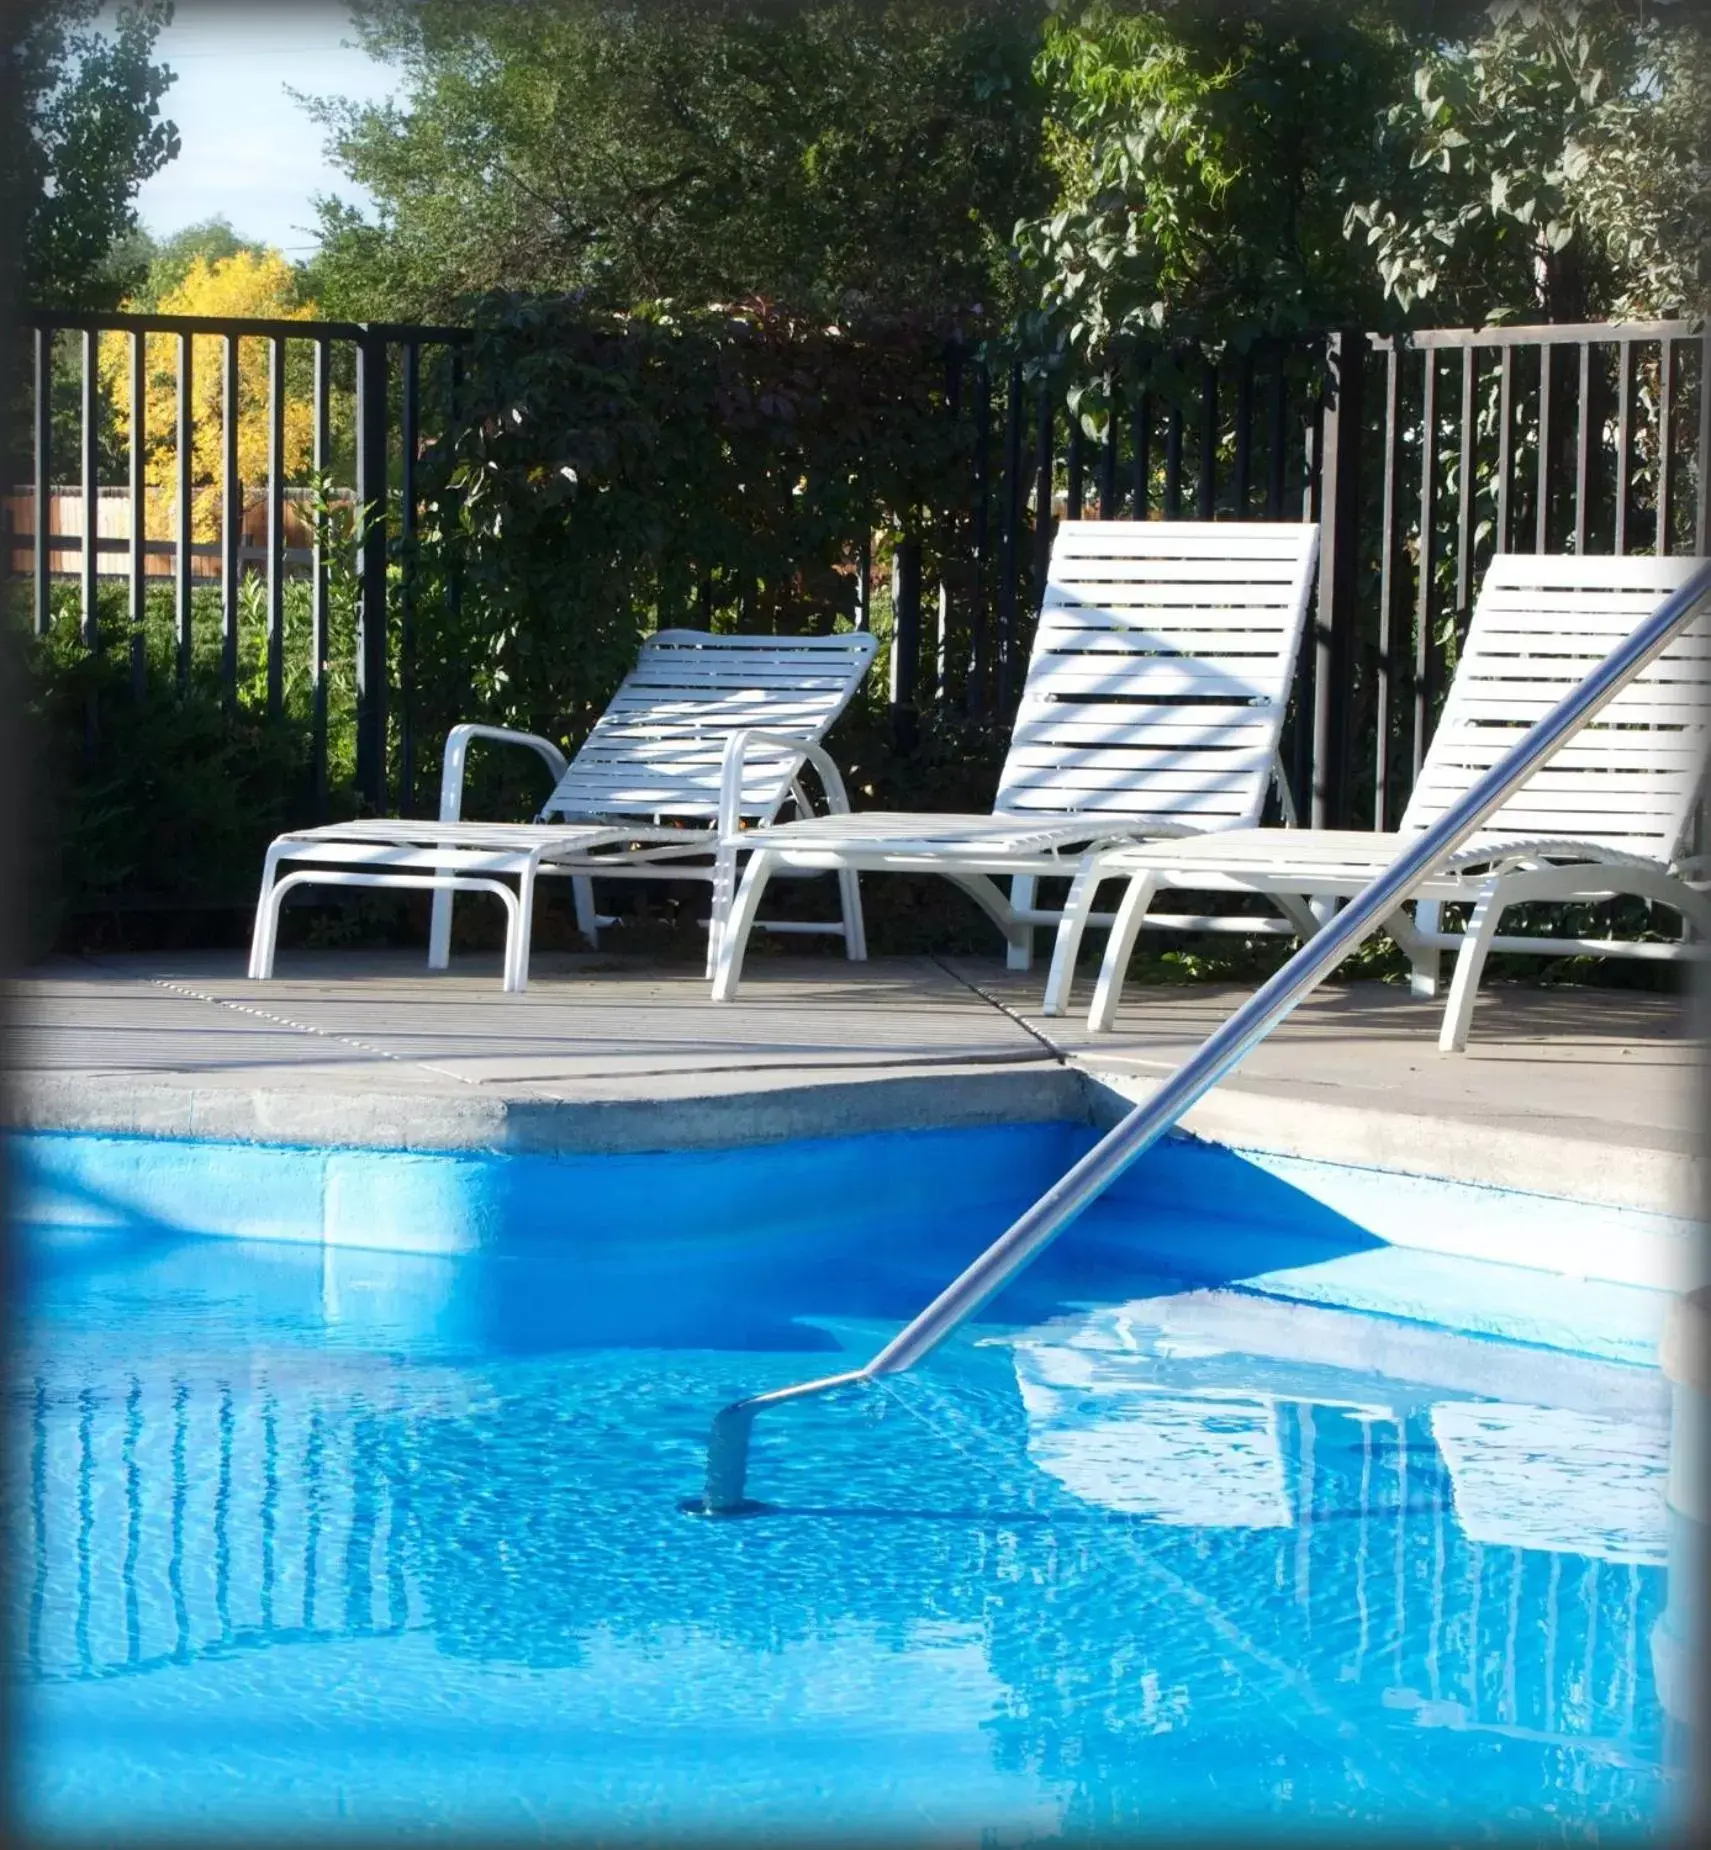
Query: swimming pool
{"type": "Point", "coordinates": [1210, 1523]}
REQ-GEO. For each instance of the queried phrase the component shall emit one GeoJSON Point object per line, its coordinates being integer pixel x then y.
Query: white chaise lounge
{"type": "Point", "coordinates": [653, 793]}
{"type": "Point", "coordinates": [1154, 698]}
{"type": "Point", "coordinates": [1612, 813]}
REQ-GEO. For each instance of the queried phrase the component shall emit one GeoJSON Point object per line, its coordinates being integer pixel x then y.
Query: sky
{"type": "Point", "coordinates": [249, 153]}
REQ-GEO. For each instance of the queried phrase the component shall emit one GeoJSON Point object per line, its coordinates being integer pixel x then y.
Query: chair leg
{"type": "Point", "coordinates": [855, 926]}
{"type": "Point", "coordinates": [724, 886]}
{"type": "Point", "coordinates": [587, 919]}
{"type": "Point", "coordinates": [1066, 947]}
{"type": "Point", "coordinates": [1125, 929]}
{"type": "Point", "coordinates": [1020, 954]}
{"type": "Point", "coordinates": [1300, 914]}
{"type": "Point", "coordinates": [734, 936]}
{"type": "Point", "coordinates": [1470, 965]}
{"type": "Point", "coordinates": [440, 928]}
{"type": "Point", "coordinates": [265, 937]}
{"type": "Point", "coordinates": [519, 931]}
{"type": "Point", "coordinates": [1425, 960]}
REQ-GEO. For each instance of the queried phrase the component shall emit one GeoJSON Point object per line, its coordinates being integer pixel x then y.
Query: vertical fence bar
{"type": "Point", "coordinates": [1664, 538]}
{"type": "Point", "coordinates": [275, 527]}
{"type": "Point", "coordinates": [318, 577]}
{"type": "Point", "coordinates": [1073, 467]}
{"type": "Point", "coordinates": [1303, 768]}
{"type": "Point", "coordinates": [1206, 497]}
{"type": "Point", "coordinates": [952, 560]}
{"type": "Point", "coordinates": [409, 420]}
{"type": "Point", "coordinates": [454, 498]}
{"type": "Point", "coordinates": [1464, 491]}
{"type": "Point", "coordinates": [1339, 562]}
{"type": "Point", "coordinates": [905, 636]}
{"type": "Point", "coordinates": [91, 496]}
{"type": "Point", "coordinates": [1702, 467]}
{"type": "Point", "coordinates": [43, 446]}
{"type": "Point", "coordinates": [1242, 486]}
{"type": "Point", "coordinates": [1173, 463]}
{"type": "Point", "coordinates": [1009, 562]}
{"type": "Point", "coordinates": [371, 569]}
{"type": "Point", "coordinates": [1311, 456]}
{"type": "Point", "coordinates": [137, 488]}
{"type": "Point", "coordinates": [1108, 453]}
{"type": "Point", "coordinates": [1043, 484]}
{"type": "Point", "coordinates": [1624, 440]}
{"type": "Point", "coordinates": [1423, 648]}
{"type": "Point", "coordinates": [1141, 461]}
{"type": "Point", "coordinates": [1583, 453]}
{"type": "Point", "coordinates": [1276, 422]}
{"type": "Point", "coordinates": [980, 544]}
{"type": "Point", "coordinates": [232, 523]}
{"type": "Point", "coordinates": [1545, 473]}
{"type": "Point", "coordinates": [1505, 447]}
{"type": "Point", "coordinates": [1388, 580]}
{"type": "Point", "coordinates": [186, 461]}
{"type": "Point", "coordinates": [864, 585]}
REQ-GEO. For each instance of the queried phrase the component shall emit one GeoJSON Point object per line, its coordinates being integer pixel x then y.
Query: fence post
{"type": "Point", "coordinates": [90, 410]}
{"type": "Point", "coordinates": [232, 521]}
{"type": "Point", "coordinates": [371, 569]}
{"type": "Point", "coordinates": [1339, 540]}
{"type": "Point", "coordinates": [905, 637]}
{"type": "Point", "coordinates": [980, 546]}
{"type": "Point", "coordinates": [40, 563]}
{"type": "Point", "coordinates": [185, 464]}
{"type": "Point", "coordinates": [1009, 562]}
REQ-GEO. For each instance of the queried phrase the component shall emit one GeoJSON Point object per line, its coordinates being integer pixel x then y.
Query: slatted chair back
{"type": "Point", "coordinates": [1629, 780]}
{"type": "Point", "coordinates": [658, 748]}
{"type": "Point", "coordinates": [1160, 670]}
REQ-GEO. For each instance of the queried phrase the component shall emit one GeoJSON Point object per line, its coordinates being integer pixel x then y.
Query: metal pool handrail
{"type": "Point", "coordinates": [728, 1443]}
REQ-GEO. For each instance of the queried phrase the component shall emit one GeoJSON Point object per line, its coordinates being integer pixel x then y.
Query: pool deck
{"type": "Point", "coordinates": [1588, 1094]}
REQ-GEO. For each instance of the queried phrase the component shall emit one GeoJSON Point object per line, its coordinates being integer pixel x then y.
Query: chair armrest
{"type": "Point", "coordinates": [731, 774]}
{"type": "Point", "coordinates": [457, 750]}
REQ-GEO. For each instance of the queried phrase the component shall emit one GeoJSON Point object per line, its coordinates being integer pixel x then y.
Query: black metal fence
{"type": "Point", "coordinates": [376, 366]}
{"type": "Point", "coordinates": [1421, 454]}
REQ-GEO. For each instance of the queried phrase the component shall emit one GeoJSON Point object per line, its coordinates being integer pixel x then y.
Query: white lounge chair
{"type": "Point", "coordinates": [1611, 813]}
{"type": "Point", "coordinates": [653, 794]}
{"type": "Point", "coordinates": [1154, 698]}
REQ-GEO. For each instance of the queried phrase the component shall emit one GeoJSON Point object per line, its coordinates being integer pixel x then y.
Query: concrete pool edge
{"type": "Point", "coordinates": [687, 1113]}
{"type": "Point", "coordinates": [1598, 1171]}
{"type": "Point", "coordinates": [1591, 1279]}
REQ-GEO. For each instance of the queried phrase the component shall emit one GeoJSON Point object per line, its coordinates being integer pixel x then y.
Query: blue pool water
{"type": "Point", "coordinates": [311, 1537]}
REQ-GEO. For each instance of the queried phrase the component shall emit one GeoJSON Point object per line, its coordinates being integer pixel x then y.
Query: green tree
{"type": "Point", "coordinates": [1555, 166]}
{"type": "Point", "coordinates": [831, 156]}
{"type": "Point", "coordinates": [157, 267]}
{"type": "Point", "coordinates": [1204, 159]}
{"type": "Point", "coordinates": [88, 133]}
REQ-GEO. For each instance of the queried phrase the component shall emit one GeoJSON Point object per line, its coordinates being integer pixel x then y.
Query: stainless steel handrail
{"type": "Point", "coordinates": [728, 1444]}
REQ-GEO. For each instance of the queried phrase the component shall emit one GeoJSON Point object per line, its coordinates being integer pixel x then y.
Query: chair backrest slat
{"type": "Point", "coordinates": [1543, 622]}
{"type": "Point", "coordinates": [1160, 670]}
{"type": "Point", "coordinates": [658, 748]}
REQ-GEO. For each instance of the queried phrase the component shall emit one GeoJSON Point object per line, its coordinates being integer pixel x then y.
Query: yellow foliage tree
{"type": "Point", "coordinates": [248, 284]}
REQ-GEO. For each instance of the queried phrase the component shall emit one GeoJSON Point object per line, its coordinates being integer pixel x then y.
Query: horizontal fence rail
{"type": "Point", "coordinates": [1422, 454]}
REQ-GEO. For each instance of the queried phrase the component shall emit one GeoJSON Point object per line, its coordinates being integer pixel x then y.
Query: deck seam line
{"type": "Point", "coordinates": [1059, 1054]}
{"type": "Point", "coordinates": [304, 1027]}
